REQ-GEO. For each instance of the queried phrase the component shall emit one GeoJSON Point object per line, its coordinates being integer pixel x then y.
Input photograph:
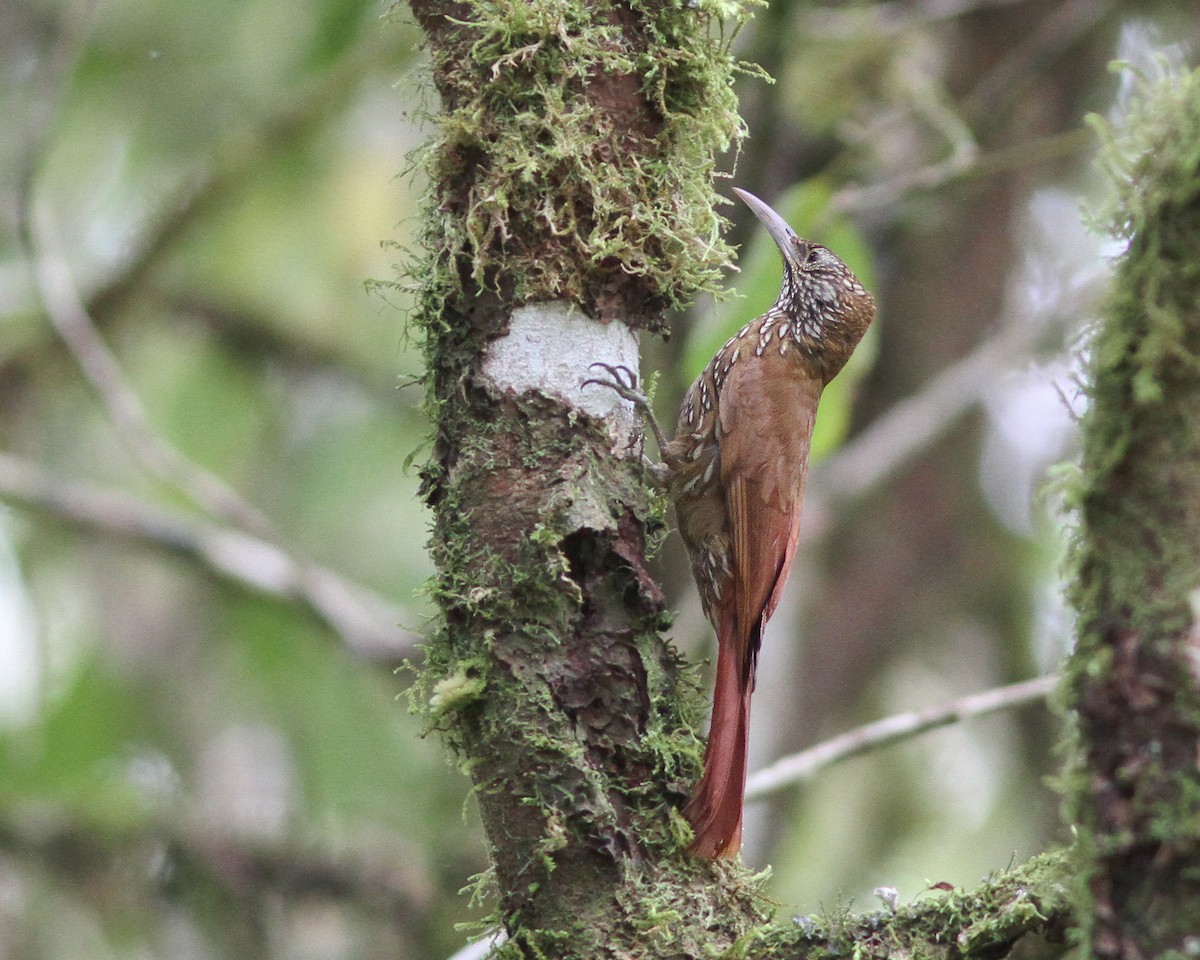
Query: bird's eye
{"type": "Point", "coordinates": [814, 255]}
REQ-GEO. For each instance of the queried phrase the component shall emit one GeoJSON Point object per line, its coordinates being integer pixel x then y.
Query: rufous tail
{"type": "Point", "coordinates": [715, 807]}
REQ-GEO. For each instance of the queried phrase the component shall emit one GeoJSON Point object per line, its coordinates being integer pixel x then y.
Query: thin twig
{"type": "Point", "coordinates": [1018, 69]}
{"type": "Point", "coordinates": [363, 619]}
{"type": "Point", "coordinates": [930, 103]}
{"type": "Point", "coordinates": [802, 766]}
{"type": "Point", "coordinates": [56, 286]}
{"type": "Point", "coordinates": [964, 163]}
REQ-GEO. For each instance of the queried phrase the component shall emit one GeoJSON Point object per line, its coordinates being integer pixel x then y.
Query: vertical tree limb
{"type": "Point", "coordinates": [571, 196]}
{"type": "Point", "coordinates": [1135, 680]}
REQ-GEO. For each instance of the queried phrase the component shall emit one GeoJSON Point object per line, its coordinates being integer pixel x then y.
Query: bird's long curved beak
{"type": "Point", "coordinates": [783, 235]}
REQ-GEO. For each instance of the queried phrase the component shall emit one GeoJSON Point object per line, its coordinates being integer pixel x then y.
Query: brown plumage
{"type": "Point", "coordinates": [738, 466]}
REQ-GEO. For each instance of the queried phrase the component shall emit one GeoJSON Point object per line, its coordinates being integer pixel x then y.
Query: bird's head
{"type": "Point", "coordinates": [823, 299]}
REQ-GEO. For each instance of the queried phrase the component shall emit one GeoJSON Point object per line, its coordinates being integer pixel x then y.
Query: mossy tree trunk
{"type": "Point", "coordinates": [571, 204]}
{"type": "Point", "coordinates": [1135, 680]}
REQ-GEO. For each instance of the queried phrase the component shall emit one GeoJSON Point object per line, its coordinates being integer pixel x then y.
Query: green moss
{"type": "Point", "coordinates": [1144, 367]}
{"type": "Point", "coordinates": [453, 692]}
{"type": "Point", "coordinates": [986, 920]}
{"type": "Point", "coordinates": [1140, 437]}
{"type": "Point", "coordinates": [574, 160]}
{"type": "Point", "coordinates": [1133, 788]}
{"type": "Point", "coordinates": [575, 141]}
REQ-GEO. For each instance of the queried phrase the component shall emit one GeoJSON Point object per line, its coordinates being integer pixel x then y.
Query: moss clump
{"type": "Point", "coordinates": [984, 922]}
{"type": "Point", "coordinates": [576, 150]}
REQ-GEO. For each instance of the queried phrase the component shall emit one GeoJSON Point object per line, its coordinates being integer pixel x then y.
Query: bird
{"type": "Point", "coordinates": [736, 471]}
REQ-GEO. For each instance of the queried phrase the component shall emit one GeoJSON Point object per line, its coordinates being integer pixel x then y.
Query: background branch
{"type": "Point", "coordinates": [98, 364]}
{"type": "Point", "coordinates": [247, 870]}
{"type": "Point", "coordinates": [802, 766]}
{"type": "Point", "coordinates": [910, 426]}
{"type": "Point", "coordinates": [363, 619]}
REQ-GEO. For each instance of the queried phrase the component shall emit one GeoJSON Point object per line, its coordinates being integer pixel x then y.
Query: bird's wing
{"type": "Point", "coordinates": [768, 407]}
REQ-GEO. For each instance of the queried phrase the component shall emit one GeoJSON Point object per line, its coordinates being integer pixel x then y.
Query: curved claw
{"type": "Point", "coordinates": [623, 379]}
{"type": "Point", "coordinates": [623, 383]}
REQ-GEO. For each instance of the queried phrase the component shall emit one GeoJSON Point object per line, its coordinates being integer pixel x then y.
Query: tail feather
{"type": "Point", "coordinates": [715, 807]}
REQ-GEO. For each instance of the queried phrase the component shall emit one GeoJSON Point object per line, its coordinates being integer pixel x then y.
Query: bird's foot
{"type": "Point", "coordinates": [624, 382]}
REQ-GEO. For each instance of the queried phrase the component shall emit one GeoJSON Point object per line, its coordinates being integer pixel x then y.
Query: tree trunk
{"type": "Point", "coordinates": [571, 205]}
{"type": "Point", "coordinates": [1135, 681]}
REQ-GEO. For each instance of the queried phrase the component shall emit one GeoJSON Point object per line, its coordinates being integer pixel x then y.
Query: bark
{"type": "Point", "coordinates": [571, 204]}
{"type": "Point", "coordinates": [1135, 681]}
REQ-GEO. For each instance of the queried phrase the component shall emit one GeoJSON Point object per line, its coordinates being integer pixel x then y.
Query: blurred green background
{"type": "Point", "coordinates": [204, 746]}
{"type": "Point", "coordinates": [190, 766]}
